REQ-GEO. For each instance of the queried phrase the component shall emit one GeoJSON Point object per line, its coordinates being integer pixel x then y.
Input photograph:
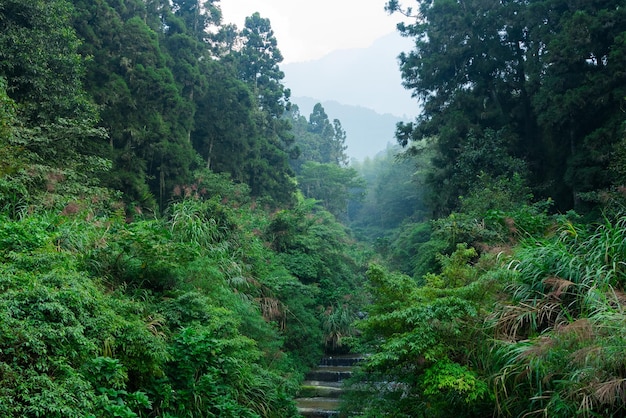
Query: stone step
{"type": "Point", "coordinates": [341, 360]}
{"type": "Point", "coordinates": [318, 407]}
{"type": "Point", "coordinates": [319, 394]}
{"type": "Point", "coordinates": [322, 383]}
{"type": "Point", "coordinates": [313, 389]}
{"type": "Point", "coordinates": [330, 373]}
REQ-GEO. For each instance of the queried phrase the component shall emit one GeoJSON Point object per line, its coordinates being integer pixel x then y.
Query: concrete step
{"type": "Point", "coordinates": [330, 373]}
{"type": "Point", "coordinates": [341, 360]}
{"type": "Point", "coordinates": [318, 407]}
{"type": "Point", "coordinates": [321, 383]}
{"type": "Point", "coordinates": [320, 392]}
{"type": "Point", "coordinates": [312, 389]}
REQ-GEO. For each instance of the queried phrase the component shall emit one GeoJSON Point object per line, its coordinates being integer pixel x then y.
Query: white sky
{"type": "Point", "coordinates": [309, 29]}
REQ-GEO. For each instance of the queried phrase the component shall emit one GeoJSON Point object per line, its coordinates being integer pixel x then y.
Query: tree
{"type": "Point", "coordinates": [267, 165]}
{"type": "Point", "coordinates": [198, 16]}
{"type": "Point", "coordinates": [468, 70]}
{"type": "Point", "coordinates": [318, 140]}
{"type": "Point", "coordinates": [319, 123]}
{"type": "Point", "coordinates": [258, 65]}
{"type": "Point", "coordinates": [331, 140]}
{"type": "Point", "coordinates": [331, 184]}
{"type": "Point", "coordinates": [39, 59]}
{"type": "Point", "coordinates": [43, 70]}
{"type": "Point", "coordinates": [47, 123]}
{"type": "Point", "coordinates": [580, 93]}
{"type": "Point", "coordinates": [145, 107]}
{"type": "Point", "coordinates": [526, 70]}
{"type": "Point", "coordinates": [7, 112]}
{"type": "Point", "coordinates": [338, 146]}
{"type": "Point", "coordinates": [225, 123]}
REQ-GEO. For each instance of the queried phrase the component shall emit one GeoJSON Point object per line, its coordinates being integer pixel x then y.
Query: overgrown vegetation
{"type": "Point", "coordinates": [499, 299]}
{"type": "Point", "coordinates": [190, 315]}
{"type": "Point", "coordinates": [135, 280]}
{"type": "Point", "coordinates": [164, 253]}
{"type": "Point", "coordinates": [530, 326]}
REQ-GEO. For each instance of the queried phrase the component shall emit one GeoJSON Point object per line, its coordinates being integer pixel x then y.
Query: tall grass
{"type": "Point", "coordinates": [560, 341]}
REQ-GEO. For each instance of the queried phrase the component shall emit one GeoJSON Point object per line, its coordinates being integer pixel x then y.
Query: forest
{"type": "Point", "coordinates": [178, 240]}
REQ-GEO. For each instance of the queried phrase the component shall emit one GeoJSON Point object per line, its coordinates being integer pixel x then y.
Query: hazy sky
{"type": "Point", "coordinates": [310, 29]}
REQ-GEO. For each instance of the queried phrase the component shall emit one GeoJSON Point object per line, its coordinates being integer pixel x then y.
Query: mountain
{"type": "Point", "coordinates": [365, 77]}
{"type": "Point", "coordinates": [361, 87]}
{"type": "Point", "coordinates": [367, 132]}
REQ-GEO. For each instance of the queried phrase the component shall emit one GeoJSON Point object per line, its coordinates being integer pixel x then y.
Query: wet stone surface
{"type": "Point", "coordinates": [320, 392]}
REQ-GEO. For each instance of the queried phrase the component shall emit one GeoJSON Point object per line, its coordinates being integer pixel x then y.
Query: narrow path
{"type": "Point", "coordinates": [320, 392]}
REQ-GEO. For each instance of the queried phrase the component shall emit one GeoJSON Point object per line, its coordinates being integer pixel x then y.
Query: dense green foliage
{"type": "Point", "coordinates": [527, 322]}
{"type": "Point", "coordinates": [384, 208]}
{"type": "Point", "coordinates": [321, 168]}
{"type": "Point", "coordinates": [191, 315]}
{"type": "Point", "coordinates": [503, 83]}
{"type": "Point", "coordinates": [317, 138]}
{"type": "Point", "coordinates": [143, 269]}
{"type": "Point", "coordinates": [168, 104]}
{"type": "Point", "coordinates": [492, 297]}
{"type": "Point", "coordinates": [163, 253]}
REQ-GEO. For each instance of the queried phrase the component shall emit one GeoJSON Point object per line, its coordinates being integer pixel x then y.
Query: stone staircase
{"type": "Point", "coordinates": [320, 392]}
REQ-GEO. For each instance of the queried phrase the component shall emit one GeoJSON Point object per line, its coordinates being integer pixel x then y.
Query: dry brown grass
{"type": "Point", "coordinates": [516, 322]}
{"type": "Point", "coordinates": [611, 392]}
{"type": "Point", "coordinates": [557, 285]}
{"type": "Point", "coordinates": [581, 328]}
{"type": "Point", "coordinates": [273, 309]}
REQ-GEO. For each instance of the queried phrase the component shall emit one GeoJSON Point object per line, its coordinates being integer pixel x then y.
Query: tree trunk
{"type": "Point", "coordinates": [572, 145]}
{"type": "Point", "coordinates": [208, 158]}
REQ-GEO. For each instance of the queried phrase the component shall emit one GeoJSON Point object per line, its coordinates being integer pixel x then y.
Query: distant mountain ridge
{"type": "Point", "coordinates": [367, 77]}
{"type": "Point", "coordinates": [360, 87]}
{"type": "Point", "coordinates": [367, 132]}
